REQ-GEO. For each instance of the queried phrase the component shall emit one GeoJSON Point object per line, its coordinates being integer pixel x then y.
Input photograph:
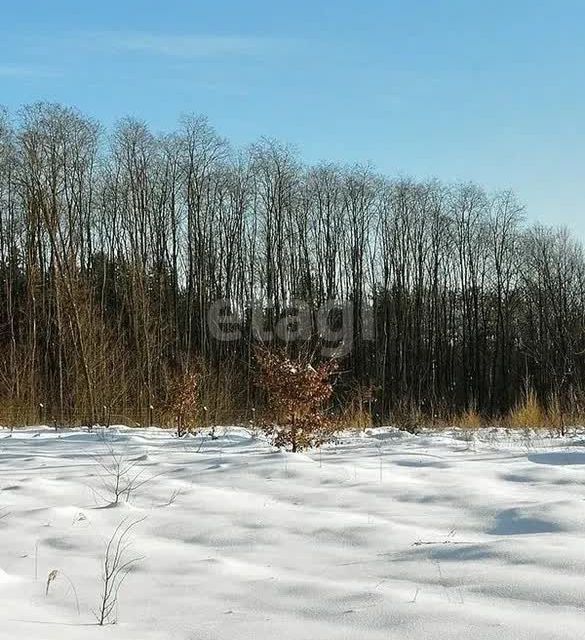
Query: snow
{"type": "Point", "coordinates": [381, 535]}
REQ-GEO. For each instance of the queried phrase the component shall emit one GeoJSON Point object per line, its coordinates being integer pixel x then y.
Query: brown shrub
{"type": "Point", "coordinates": [184, 406]}
{"type": "Point", "coordinates": [296, 394]}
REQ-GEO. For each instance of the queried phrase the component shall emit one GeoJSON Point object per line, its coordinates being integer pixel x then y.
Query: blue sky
{"type": "Point", "coordinates": [488, 91]}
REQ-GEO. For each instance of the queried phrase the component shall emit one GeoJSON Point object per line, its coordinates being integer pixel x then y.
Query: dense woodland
{"type": "Point", "coordinates": [115, 245]}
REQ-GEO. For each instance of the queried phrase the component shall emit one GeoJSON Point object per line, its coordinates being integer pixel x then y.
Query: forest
{"type": "Point", "coordinates": [116, 246]}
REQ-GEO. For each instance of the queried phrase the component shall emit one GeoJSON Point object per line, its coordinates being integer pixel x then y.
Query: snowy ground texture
{"type": "Point", "coordinates": [381, 536]}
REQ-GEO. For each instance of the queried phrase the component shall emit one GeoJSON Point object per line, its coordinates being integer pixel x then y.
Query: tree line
{"type": "Point", "coordinates": [114, 246]}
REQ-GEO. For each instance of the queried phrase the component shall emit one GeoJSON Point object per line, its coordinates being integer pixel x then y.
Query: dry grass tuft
{"type": "Point", "coordinates": [529, 413]}
{"type": "Point", "coordinates": [470, 419]}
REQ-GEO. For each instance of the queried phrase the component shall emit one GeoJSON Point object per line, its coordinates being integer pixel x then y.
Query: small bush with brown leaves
{"type": "Point", "coordinates": [296, 395]}
{"type": "Point", "coordinates": [184, 406]}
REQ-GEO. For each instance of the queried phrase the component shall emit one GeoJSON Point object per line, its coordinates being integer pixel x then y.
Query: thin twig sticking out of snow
{"type": "Point", "coordinates": [116, 567]}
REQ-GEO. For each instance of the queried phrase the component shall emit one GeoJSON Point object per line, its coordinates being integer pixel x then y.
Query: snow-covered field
{"type": "Point", "coordinates": [380, 536]}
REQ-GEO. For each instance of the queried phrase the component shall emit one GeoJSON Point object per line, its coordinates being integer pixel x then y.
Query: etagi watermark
{"type": "Point", "coordinates": [335, 324]}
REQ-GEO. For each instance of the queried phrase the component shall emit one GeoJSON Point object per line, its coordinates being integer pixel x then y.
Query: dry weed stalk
{"type": "Point", "coordinates": [53, 576]}
{"type": "Point", "coordinates": [116, 566]}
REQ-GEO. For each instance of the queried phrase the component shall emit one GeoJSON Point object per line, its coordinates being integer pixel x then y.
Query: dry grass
{"type": "Point", "coordinates": [354, 418]}
{"type": "Point", "coordinates": [408, 418]}
{"type": "Point", "coordinates": [529, 414]}
{"type": "Point", "coordinates": [557, 417]}
{"type": "Point", "coordinates": [16, 414]}
{"type": "Point", "coordinates": [470, 419]}
{"type": "Point", "coordinates": [221, 402]}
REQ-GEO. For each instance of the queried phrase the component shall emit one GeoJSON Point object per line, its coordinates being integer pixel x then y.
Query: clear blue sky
{"type": "Point", "coordinates": [489, 91]}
